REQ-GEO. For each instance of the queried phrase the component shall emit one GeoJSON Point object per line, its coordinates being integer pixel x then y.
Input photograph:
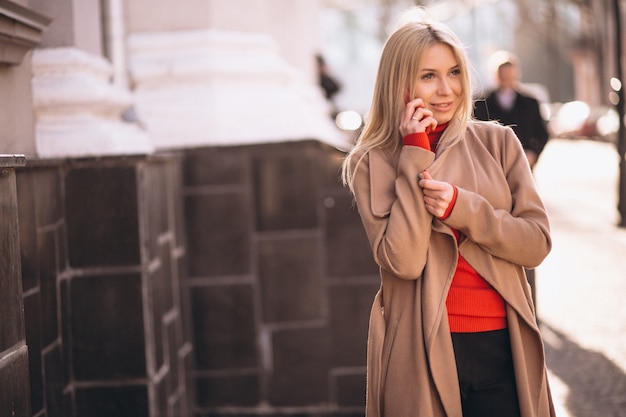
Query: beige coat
{"type": "Point", "coordinates": [411, 367]}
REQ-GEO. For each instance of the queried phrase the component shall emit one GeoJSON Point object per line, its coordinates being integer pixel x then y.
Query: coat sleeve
{"type": "Point", "coordinates": [521, 234]}
{"type": "Point", "coordinates": [391, 206]}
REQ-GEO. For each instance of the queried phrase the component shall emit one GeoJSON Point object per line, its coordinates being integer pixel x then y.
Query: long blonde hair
{"type": "Point", "coordinates": [397, 73]}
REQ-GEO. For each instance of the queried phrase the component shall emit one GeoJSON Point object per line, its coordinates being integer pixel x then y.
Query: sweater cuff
{"type": "Point", "coordinates": [417, 139]}
{"type": "Point", "coordinates": [451, 205]}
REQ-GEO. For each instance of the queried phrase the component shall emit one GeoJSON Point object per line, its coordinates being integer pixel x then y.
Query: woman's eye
{"type": "Point", "coordinates": [455, 72]}
{"type": "Point", "coordinates": [428, 76]}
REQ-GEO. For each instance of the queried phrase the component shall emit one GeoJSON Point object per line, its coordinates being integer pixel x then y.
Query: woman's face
{"type": "Point", "coordinates": [439, 82]}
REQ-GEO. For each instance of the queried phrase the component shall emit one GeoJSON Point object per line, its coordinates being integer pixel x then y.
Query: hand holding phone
{"type": "Point", "coordinates": [416, 116]}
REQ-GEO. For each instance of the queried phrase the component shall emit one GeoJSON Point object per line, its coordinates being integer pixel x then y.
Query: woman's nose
{"type": "Point", "coordinates": [444, 87]}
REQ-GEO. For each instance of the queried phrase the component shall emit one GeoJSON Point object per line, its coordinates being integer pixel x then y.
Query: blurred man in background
{"type": "Point", "coordinates": [511, 107]}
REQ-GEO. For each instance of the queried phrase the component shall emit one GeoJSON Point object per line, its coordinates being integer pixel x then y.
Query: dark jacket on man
{"type": "Point", "coordinates": [524, 118]}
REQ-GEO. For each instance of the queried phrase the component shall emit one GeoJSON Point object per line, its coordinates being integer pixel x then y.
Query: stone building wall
{"type": "Point", "coordinates": [14, 384]}
{"type": "Point", "coordinates": [180, 256]}
{"type": "Point", "coordinates": [214, 282]}
{"type": "Point", "coordinates": [102, 258]}
{"type": "Point", "coordinates": [281, 281]}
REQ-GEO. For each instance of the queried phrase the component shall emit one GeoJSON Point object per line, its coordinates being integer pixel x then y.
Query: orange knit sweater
{"type": "Point", "coordinates": [473, 305]}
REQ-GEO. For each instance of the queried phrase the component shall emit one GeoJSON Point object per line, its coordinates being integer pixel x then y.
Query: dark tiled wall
{"type": "Point", "coordinates": [102, 258]}
{"type": "Point", "coordinates": [281, 282]}
{"type": "Point", "coordinates": [229, 281]}
{"type": "Point", "coordinates": [14, 383]}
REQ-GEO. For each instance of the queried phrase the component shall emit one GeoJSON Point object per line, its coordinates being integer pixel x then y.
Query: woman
{"type": "Point", "coordinates": [452, 214]}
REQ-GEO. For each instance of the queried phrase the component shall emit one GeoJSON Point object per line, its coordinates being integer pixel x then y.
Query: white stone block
{"type": "Point", "coordinates": [212, 87]}
{"type": "Point", "coordinates": [79, 112]}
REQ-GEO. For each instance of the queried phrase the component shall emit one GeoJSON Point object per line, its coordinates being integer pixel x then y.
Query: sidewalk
{"type": "Point", "coordinates": [581, 285]}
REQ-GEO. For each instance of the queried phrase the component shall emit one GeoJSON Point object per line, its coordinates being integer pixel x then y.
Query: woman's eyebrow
{"type": "Point", "coordinates": [434, 70]}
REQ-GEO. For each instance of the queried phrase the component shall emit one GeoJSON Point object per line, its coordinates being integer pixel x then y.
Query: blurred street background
{"type": "Point", "coordinates": [567, 51]}
{"type": "Point", "coordinates": [581, 284]}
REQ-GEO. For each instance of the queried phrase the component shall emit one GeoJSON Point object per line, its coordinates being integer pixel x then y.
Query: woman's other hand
{"type": "Point", "coordinates": [437, 194]}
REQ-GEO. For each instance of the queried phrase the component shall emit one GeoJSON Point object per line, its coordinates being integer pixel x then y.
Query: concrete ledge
{"type": "Point", "coordinates": [12, 160]}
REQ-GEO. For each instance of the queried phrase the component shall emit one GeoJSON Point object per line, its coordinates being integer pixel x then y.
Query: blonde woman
{"type": "Point", "coordinates": [453, 217]}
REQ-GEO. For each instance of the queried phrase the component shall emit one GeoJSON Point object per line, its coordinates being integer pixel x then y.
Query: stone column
{"type": "Point", "coordinates": [14, 381]}
{"type": "Point", "coordinates": [20, 31]}
{"type": "Point", "coordinates": [79, 110]}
